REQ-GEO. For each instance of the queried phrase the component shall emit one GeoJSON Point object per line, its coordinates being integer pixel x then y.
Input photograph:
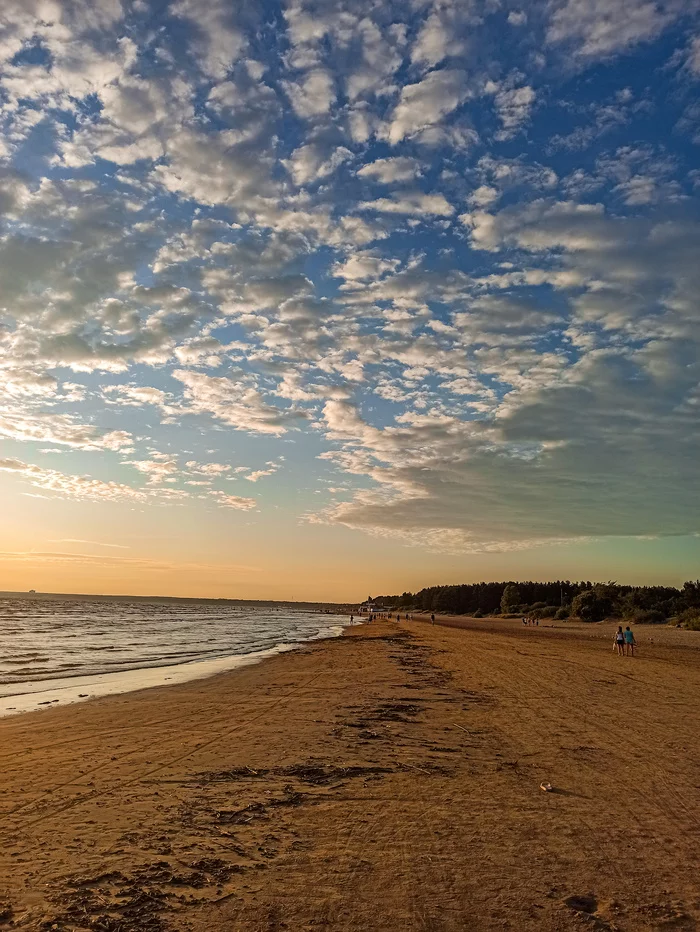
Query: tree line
{"type": "Point", "coordinates": [561, 599]}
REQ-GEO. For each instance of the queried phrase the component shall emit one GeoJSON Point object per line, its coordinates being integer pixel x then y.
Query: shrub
{"type": "Point", "coordinates": [651, 617]}
{"type": "Point", "coordinates": [478, 614]}
{"type": "Point", "coordinates": [561, 614]}
{"type": "Point", "coordinates": [548, 611]}
{"type": "Point", "coordinates": [690, 619]}
{"type": "Point", "coordinates": [537, 605]}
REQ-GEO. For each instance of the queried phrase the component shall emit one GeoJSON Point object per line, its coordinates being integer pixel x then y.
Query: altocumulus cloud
{"type": "Point", "coordinates": [374, 234]}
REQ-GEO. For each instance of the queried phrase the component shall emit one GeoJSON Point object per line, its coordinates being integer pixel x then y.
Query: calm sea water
{"type": "Point", "coordinates": [45, 640]}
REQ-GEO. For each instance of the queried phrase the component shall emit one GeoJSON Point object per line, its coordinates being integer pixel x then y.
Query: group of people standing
{"type": "Point", "coordinates": [373, 617]}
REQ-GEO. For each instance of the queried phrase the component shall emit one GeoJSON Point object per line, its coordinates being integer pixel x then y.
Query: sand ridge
{"type": "Point", "coordinates": [385, 780]}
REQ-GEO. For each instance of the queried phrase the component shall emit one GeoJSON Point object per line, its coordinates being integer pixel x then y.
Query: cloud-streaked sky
{"type": "Point", "coordinates": [307, 298]}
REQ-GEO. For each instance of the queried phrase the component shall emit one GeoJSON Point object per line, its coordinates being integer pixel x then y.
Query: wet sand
{"type": "Point", "coordinates": [385, 780]}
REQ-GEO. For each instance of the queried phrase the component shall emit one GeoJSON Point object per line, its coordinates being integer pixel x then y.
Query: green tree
{"type": "Point", "coordinates": [588, 606]}
{"type": "Point", "coordinates": [691, 593]}
{"type": "Point", "coordinates": [510, 599]}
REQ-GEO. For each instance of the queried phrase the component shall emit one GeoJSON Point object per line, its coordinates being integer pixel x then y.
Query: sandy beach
{"type": "Point", "coordinates": [385, 780]}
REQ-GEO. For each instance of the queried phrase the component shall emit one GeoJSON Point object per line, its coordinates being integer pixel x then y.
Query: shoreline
{"type": "Point", "coordinates": [38, 695]}
{"type": "Point", "coordinates": [385, 779]}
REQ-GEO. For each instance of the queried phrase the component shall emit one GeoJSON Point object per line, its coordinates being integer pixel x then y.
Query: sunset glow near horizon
{"type": "Point", "coordinates": [315, 299]}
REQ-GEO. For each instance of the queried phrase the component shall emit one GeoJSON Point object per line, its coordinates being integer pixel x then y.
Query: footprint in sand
{"type": "Point", "coordinates": [582, 904]}
{"type": "Point", "coordinates": [587, 905]}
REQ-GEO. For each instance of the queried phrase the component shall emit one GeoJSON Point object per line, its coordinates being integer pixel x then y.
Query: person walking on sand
{"type": "Point", "coordinates": [432, 619]}
{"type": "Point", "coordinates": [630, 642]}
{"type": "Point", "coordinates": [619, 641]}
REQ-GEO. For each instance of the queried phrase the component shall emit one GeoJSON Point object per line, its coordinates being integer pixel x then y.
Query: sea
{"type": "Point", "coordinates": [55, 651]}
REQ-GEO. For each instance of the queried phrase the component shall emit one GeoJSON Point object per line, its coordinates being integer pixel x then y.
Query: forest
{"type": "Point", "coordinates": [586, 601]}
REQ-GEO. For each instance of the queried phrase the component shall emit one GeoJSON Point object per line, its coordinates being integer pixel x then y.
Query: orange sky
{"type": "Point", "coordinates": [56, 545]}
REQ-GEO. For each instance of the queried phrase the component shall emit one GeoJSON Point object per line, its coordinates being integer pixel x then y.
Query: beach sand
{"type": "Point", "coordinates": [385, 780]}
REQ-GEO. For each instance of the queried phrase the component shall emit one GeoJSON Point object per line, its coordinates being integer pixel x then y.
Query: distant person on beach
{"type": "Point", "coordinates": [352, 619]}
{"type": "Point", "coordinates": [630, 642]}
{"type": "Point", "coordinates": [432, 619]}
{"type": "Point", "coordinates": [620, 641]}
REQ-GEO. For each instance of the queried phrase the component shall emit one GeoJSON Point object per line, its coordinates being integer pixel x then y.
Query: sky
{"type": "Point", "coordinates": [321, 299]}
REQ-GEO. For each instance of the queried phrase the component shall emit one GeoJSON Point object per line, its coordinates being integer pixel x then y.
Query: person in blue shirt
{"type": "Point", "coordinates": [630, 642]}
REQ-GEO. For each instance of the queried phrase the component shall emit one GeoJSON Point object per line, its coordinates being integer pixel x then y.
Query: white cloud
{"type": "Point", "coordinates": [81, 487]}
{"type": "Point", "coordinates": [692, 61]}
{"type": "Point", "coordinates": [643, 189]}
{"type": "Point", "coordinates": [599, 28]}
{"type": "Point", "coordinates": [436, 39]}
{"type": "Point", "coordinates": [391, 170]}
{"type": "Point", "coordinates": [362, 266]}
{"type": "Point", "coordinates": [540, 225]}
{"type": "Point", "coordinates": [18, 383]}
{"type": "Point", "coordinates": [504, 174]}
{"type": "Point", "coordinates": [380, 60]}
{"type": "Point", "coordinates": [14, 191]}
{"type": "Point", "coordinates": [411, 203]}
{"type": "Point", "coordinates": [447, 31]}
{"type": "Point", "coordinates": [237, 502]}
{"type": "Point", "coordinates": [213, 169]}
{"type": "Point", "coordinates": [483, 196]}
{"type": "Point", "coordinates": [208, 469]}
{"type": "Point", "coordinates": [158, 470]}
{"type": "Point", "coordinates": [513, 106]}
{"type": "Point", "coordinates": [424, 104]}
{"type": "Point", "coordinates": [270, 469]}
{"type": "Point", "coordinates": [313, 162]}
{"type": "Point", "coordinates": [233, 402]}
{"type": "Point", "coordinates": [62, 429]}
{"type": "Point", "coordinates": [362, 123]}
{"type": "Point", "coordinates": [135, 395]}
{"type": "Point", "coordinates": [313, 94]}
{"type": "Point", "coordinates": [215, 39]}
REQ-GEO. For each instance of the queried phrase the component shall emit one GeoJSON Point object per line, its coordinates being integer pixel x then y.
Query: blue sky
{"type": "Point", "coordinates": [355, 274]}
